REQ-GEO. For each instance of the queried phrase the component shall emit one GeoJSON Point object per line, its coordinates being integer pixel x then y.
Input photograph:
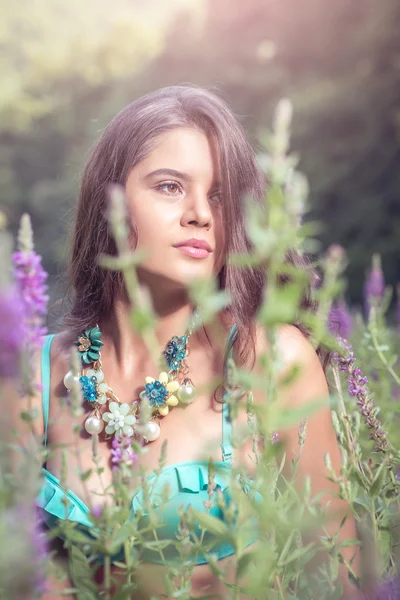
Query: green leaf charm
{"type": "Point", "coordinates": [89, 345]}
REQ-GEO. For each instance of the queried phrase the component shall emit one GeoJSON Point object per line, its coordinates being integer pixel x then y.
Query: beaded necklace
{"type": "Point", "coordinates": [122, 419]}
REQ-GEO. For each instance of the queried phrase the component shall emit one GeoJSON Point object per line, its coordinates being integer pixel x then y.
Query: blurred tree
{"type": "Point", "coordinates": [60, 64]}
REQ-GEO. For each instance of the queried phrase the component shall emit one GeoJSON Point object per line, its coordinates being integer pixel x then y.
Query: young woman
{"type": "Point", "coordinates": [186, 167]}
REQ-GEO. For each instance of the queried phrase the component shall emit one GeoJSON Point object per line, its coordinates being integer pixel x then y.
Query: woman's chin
{"type": "Point", "coordinates": [192, 274]}
{"type": "Point", "coordinates": [178, 276]}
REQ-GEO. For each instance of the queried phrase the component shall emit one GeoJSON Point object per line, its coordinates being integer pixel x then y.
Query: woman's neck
{"type": "Point", "coordinates": [119, 333]}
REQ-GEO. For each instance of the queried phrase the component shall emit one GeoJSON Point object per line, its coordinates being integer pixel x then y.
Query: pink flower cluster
{"type": "Point", "coordinates": [122, 453]}
{"type": "Point", "coordinates": [30, 279]}
{"type": "Point", "coordinates": [339, 320]}
{"type": "Point", "coordinates": [11, 332]}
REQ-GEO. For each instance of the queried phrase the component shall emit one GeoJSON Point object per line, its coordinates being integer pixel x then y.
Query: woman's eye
{"type": "Point", "coordinates": [169, 187]}
{"type": "Point", "coordinates": [217, 197]}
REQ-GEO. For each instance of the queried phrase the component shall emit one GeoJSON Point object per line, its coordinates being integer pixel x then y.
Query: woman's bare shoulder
{"type": "Point", "coordinates": [62, 343]}
{"type": "Point", "coordinates": [295, 350]}
{"type": "Point", "coordinates": [293, 345]}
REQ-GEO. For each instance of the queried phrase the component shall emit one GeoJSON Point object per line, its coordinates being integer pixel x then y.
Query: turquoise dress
{"type": "Point", "coordinates": [187, 482]}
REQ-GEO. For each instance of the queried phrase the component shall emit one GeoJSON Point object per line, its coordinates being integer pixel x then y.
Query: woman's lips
{"type": "Point", "coordinates": [194, 252]}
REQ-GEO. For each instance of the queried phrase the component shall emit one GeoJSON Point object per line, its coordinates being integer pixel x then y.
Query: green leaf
{"type": "Point", "coordinates": [243, 564]}
{"type": "Point", "coordinates": [350, 542]}
{"type": "Point", "coordinates": [141, 319]}
{"type": "Point", "coordinates": [123, 261]}
{"type": "Point", "coordinates": [212, 524]}
{"type": "Point", "coordinates": [126, 591]}
{"type": "Point", "coordinates": [77, 536]}
{"type": "Point", "coordinates": [127, 531]}
{"type": "Point", "coordinates": [120, 565]}
{"type": "Point", "coordinates": [27, 416]}
{"type": "Point", "coordinates": [379, 480]}
{"type": "Point", "coordinates": [293, 416]}
{"type": "Point", "coordinates": [281, 305]}
{"type": "Point", "coordinates": [286, 548]}
{"type": "Point", "coordinates": [156, 544]}
{"type": "Point", "coordinates": [86, 474]}
{"type": "Point", "coordinates": [81, 575]}
{"type": "Point", "coordinates": [298, 553]}
{"type": "Point", "coordinates": [283, 461]}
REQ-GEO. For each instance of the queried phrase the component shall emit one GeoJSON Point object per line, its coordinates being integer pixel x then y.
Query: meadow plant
{"type": "Point", "coordinates": [282, 563]}
{"type": "Point", "coordinates": [340, 319]}
{"type": "Point", "coordinates": [30, 279]}
{"type": "Point", "coordinates": [374, 287]}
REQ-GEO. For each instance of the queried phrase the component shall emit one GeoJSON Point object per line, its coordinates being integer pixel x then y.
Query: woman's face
{"type": "Point", "coordinates": [175, 200]}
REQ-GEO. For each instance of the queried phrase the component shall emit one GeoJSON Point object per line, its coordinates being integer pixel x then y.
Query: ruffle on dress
{"type": "Point", "coordinates": [51, 499]}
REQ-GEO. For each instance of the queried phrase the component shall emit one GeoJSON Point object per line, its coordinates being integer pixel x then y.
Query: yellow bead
{"type": "Point", "coordinates": [163, 410]}
{"type": "Point", "coordinates": [149, 380]}
{"type": "Point", "coordinates": [172, 400]}
{"type": "Point", "coordinates": [173, 386]}
{"type": "Point", "coordinates": [163, 378]}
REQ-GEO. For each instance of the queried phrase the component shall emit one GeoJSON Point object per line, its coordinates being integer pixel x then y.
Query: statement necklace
{"type": "Point", "coordinates": [122, 419]}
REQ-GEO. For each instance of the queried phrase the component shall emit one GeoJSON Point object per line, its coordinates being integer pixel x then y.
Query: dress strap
{"type": "Point", "coordinates": [226, 445]}
{"type": "Point", "coordinates": [46, 383]}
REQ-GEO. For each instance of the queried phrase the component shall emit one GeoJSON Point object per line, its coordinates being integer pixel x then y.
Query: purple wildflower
{"type": "Point", "coordinates": [374, 287]}
{"type": "Point", "coordinates": [11, 332]}
{"type": "Point", "coordinates": [358, 388]}
{"type": "Point", "coordinates": [97, 511]}
{"type": "Point", "coordinates": [389, 590]}
{"type": "Point", "coordinates": [30, 278]}
{"type": "Point", "coordinates": [275, 437]}
{"type": "Point", "coordinates": [339, 320]}
{"type": "Point", "coordinates": [122, 453]}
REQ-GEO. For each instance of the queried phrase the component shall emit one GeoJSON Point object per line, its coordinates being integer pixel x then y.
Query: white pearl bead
{"type": "Point", "coordinates": [70, 380]}
{"type": "Point", "coordinates": [90, 373]}
{"type": "Point", "coordinates": [99, 376]}
{"type": "Point", "coordinates": [186, 394]}
{"type": "Point", "coordinates": [94, 425]}
{"type": "Point", "coordinates": [151, 431]}
{"type": "Point", "coordinates": [103, 387]}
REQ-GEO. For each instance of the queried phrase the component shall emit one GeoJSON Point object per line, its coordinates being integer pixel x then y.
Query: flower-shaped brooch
{"type": "Point", "coordinates": [118, 420]}
{"type": "Point", "coordinates": [175, 352]}
{"type": "Point", "coordinates": [160, 393]}
{"type": "Point", "coordinates": [89, 345]}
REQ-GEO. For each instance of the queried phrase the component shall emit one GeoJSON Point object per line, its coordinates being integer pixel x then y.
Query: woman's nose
{"type": "Point", "coordinates": [197, 211]}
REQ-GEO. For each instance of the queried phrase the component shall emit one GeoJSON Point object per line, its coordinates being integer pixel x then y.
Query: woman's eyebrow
{"type": "Point", "coordinates": [169, 173]}
{"type": "Point", "coordinates": [178, 174]}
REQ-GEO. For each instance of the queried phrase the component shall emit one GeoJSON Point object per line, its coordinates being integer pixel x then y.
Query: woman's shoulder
{"type": "Point", "coordinates": [300, 370]}
{"type": "Point", "coordinates": [60, 347]}
{"type": "Point", "coordinates": [294, 347]}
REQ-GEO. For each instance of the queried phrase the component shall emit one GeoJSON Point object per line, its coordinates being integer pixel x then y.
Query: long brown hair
{"type": "Point", "coordinates": [124, 143]}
